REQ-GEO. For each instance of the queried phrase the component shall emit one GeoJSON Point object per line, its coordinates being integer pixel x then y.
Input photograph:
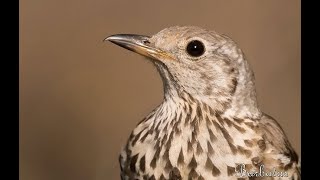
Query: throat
{"type": "Point", "coordinates": [171, 87]}
{"type": "Point", "coordinates": [178, 113]}
{"type": "Point", "coordinates": [183, 130]}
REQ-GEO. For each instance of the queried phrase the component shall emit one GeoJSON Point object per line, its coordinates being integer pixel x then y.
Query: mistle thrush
{"type": "Point", "coordinates": [209, 125]}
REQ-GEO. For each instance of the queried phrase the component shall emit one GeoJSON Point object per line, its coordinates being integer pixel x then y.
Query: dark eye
{"type": "Point", "coordinates": [195, 48]}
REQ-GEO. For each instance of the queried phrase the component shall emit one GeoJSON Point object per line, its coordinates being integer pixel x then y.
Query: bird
{"type": "Point", "coordinates": [209, 124]}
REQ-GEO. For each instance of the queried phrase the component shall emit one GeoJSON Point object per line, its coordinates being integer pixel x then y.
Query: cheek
{"type": "Point", "coordinates": [220, 78]}
{"type": "Point", "coordinates": [209, 79]}
{"type": "Point", "coordinates": [227, 79]}
{"type": "Point", "coordinates": [188, 77]}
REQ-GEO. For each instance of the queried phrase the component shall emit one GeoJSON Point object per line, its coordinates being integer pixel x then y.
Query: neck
{"type": "Point", "coordinates": [243, 103]}
{"type": "Point", "coordinates": [244, 100]}
{"type": "Point", "coordinates": [241, 106]}
{"type": "Point", "coordinates": [244, 107]}
{"type": "Point", "coordinates": [170, 86]}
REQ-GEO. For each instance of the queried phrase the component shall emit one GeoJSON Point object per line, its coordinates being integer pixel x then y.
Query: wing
{"type": "Point", "coordinates": [279, 152]}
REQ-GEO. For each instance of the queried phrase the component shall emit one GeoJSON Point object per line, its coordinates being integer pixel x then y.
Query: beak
{"type": "Point", "coordinates": [139, 44]}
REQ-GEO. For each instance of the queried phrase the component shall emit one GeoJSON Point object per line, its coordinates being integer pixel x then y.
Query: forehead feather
{"type": "Point", "coordinates": [169, 38]}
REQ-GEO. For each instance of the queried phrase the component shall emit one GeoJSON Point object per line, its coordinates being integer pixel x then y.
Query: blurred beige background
{"type": "Point", "coordinates": [80, 98]}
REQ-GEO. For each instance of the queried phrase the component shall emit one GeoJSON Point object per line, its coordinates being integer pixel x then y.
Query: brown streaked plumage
{"type": "Point", "coordinates": [209, 123]}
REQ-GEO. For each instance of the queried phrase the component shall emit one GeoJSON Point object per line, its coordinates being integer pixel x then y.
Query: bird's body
{"type": "Point", "coordinates": [209, 125]}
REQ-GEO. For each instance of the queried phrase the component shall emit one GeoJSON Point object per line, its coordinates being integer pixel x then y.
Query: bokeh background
{"type": "Point", "coordinates": [80, 97]}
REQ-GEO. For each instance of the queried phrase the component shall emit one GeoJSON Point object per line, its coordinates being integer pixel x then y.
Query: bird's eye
{"type": "Point", "coordinates": [195, 48]}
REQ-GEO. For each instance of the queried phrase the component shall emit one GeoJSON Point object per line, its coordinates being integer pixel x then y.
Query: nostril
{"type": "Point", "coordinates": [146, 41]}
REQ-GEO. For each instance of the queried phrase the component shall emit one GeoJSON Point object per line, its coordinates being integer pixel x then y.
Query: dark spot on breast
{"type": "Point", "coordinates": [200, 178]}
{"type": "Point", "coordinates": [173, 119]}
{"type": "Point", "coordinates": [144, 136]}
{"type": "Point", "coordinates": [262, 144]}
{"type": "Point", "coordinates": [164, 138]}
{"type": "Point", "coordinates": [228, 121]}
{"type": "Point", "coordinates": [184, 98]}
{"type": "Point", "coordinates": [211, 167]}
{"type": "Point", "coordinates": [212, 112]}
{"type": "Point", "coordinates": [199, 148]}
{"type": "Point", "coordinates": [205, 107]}
{"type": "Point", "coordinates": [240, 129]}
{"type": "Point", "coordinates": [213, 138]}
{"type": "Point", "coordinates": [153, 162]}
{"type": "Point", "coordinates": [180, 158]}
{"type": "Point", "coordinates": [248, 143]}
{"type": "Point", "coordinates": [152, 178]}
{"type": "Point", "coordinates": [199, 112]}
{"type": "Point", "coordinates": [189, 147]}
{"type": "Point", "coordinates": [193, 174]}
{"type": "Point", "coordinates": [166, 155]}
{"type": "Point", "coordinates": [208, 121]}
{"type": "Point", "coordinates": [156, 136]}
{"type": "Point", "coordinates": [175, 174]}
{"type": "Point", "coordinates": [157, 126]}
{"type": "Point", "coordinates": [238, 167]}
{"type": "Point", "coordinates": [191, 98]}
{"type": "Point", "coordinates": [177, 130]}
{"type": "Point", "coordinates": [131, 135]}
{"type": "Point", "coordinates": [239, 121]}
{"type": "Point", "coordinates": [133, 162]}
{"type": "Point", "coordinates": [162, 177]}
{"type": "Point", "coordinates": [153, 125]}
{"type": "Point", "coordinates": [234, 85]}
{"type": "Point", "coordinates": [168, 145]}
{"type": "Point", "coordinates": [219, 118]}
{"type": "Point", "coordinates": [249, 124]}
{"type": "Point", "coordinates": [208, 90]}
{"type": "Point", "coordinates": [288, 166]}
{"type": "Point", "coordinates": [157, 145]}
{"type": "Point", "coordinates": [180, 117]}
{"type": "Point", "coordinates": [216, 125]}
{"type": "Point", "coordinates": [210, 149]}
{"type": "Point", "coordinates": [193, 138]}
{"type": "Point", "coordinates": [195, 124]}
{"type": "Point", "coordinates": [227, 136]}
{"type": "Point", "coordinates": [190, 109]}
{"type": "Point", "coordinates": [244, 151]}
{"type": "Point", "coordinates": [232, 70]}
{"type": "Point", "coordinates": [187, 119]}
{"type": "Point", "coordinates": [150, 131]}
{"type": "Point", "coordinates": [184, 108]}
{"type": "Point", "coordinates": [230, 170]}
{"type": "Point", "coordinates": [194, 121]}
{"type": "Point", "coordinates": [168, 166]}
{"type": "Point", "coordinates": [128, 151]}
{"type": "Point", "coordinates": [193, 163]}
{"type": "Point", "coordinates": [160, 113]}
{"type": "Point", "coordinates": [256, 161]}
{"type": "Point", "coordinates": [143, 163]}
{"type": "Point", "coordinates": [165, 127]}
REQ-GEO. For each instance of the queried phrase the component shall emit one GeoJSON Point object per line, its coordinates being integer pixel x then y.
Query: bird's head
{"type": "Point", "coordinates": [209, 67]}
